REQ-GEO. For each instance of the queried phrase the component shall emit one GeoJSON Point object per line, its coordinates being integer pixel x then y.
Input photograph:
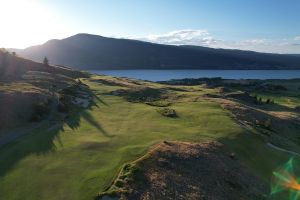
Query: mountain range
{"type": "Point", "coordinates": [93, 52]}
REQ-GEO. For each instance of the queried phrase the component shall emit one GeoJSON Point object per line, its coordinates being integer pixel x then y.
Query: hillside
{"type": "Point", "coordinates": [65, 134]}
{"type": "Point", "coordinates": [85, 51]}
{"type": "Point", "coordinates": [14, 67]}
{"type": "Point", "coordinates": [30, 93]}
{"type": "Point", "coordinates": [77, 151]}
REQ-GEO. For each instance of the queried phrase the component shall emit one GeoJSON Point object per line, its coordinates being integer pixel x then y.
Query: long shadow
{"type": "Point", "coordinates": [39, 142]}
{"type": "Point", "coordinates": [42, 140]}
{"type": "Point", "coordinates": [74, 118]}
{"type": "Point", "coordinates": [97, 98]}
{"type": "Point", "coordinates": [89, 118]}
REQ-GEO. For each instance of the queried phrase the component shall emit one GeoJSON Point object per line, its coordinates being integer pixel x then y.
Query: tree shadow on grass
{"type": "Point", "coordinates": [44, 140]}
{"type": "Point", "coordinates": [73, 121]}
{"type": "Point", "coordinates": [89, 118]}
{"type": "Point", "coordinates": [39, 142]}
{"type": "Point", "coordinates": [95, 97]}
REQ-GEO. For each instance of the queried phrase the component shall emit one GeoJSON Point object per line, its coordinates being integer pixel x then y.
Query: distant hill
{"type": "Point", "coordinates": [85, 51]}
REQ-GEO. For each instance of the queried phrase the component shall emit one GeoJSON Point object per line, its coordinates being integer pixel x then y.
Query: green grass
{"type": "Point", "coordinates": [19, 87]}
{"type": "Point", "coordinates": [81, 158]}
{"type": "Point", "coordinates": [289, 98]}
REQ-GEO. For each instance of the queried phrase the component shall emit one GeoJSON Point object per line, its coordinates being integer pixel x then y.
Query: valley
{"type": "Point", "coordinates": [79, 147]}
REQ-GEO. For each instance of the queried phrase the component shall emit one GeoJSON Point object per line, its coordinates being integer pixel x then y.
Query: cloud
{"type": "Point", "coordinates": [182, 37]}
{"type": "Point", "coordinates": [262, 45]}
{"type": "Point", "coordinates": [202, 37]}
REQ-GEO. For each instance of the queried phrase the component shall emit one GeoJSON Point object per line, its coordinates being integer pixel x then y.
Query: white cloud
{"type": "Point", "coordinates": [182, 37]}
{"type": "Point", "coordinates": [297, 38]}
{"type": "Point", "coordinates": [204, 38]}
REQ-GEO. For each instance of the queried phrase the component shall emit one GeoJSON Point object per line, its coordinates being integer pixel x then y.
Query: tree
{"type": "Point", "coordinates": [4, 64]}
{"type": "Point", "coordinates": [259, 100]}
{"type": "Point", "coordinates": [13, 53]}
{"type": "Point", "coordinates": [46, 61]}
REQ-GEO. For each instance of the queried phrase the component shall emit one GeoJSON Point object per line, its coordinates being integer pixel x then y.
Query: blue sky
{"type": "Point", "coordinates": [261, 25]}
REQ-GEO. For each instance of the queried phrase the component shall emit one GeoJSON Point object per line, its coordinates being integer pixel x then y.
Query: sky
{"type": "Point", "coordinates": [259, 25]}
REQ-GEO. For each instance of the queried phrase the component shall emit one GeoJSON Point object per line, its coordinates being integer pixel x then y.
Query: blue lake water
{"type": "Point", "coordinates": [162, 75]}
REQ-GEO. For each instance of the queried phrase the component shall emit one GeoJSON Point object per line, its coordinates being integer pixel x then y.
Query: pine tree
{"type": "Point", "coordinates": [46, 61]}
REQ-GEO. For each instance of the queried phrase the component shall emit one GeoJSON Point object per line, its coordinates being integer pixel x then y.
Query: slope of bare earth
{"type": "Point", "coordinates": [179, 170]}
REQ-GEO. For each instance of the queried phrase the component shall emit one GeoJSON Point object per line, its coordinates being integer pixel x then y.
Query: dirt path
{"type": "Point", "coordinates": [243, 119]}
{"type": "Point", "coordinates": [283, 150]}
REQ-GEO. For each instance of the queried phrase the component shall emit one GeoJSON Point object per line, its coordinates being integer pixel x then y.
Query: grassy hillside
{"type": "Point", "coordinates": [13, 67]}
{"type": "Point", "coordinates": [78, 155]}
{"type": "Point", "coordinates": [29, 90]}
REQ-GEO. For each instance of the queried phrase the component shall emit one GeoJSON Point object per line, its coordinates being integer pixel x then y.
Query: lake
{"type": "Point", "coordinates": [163, 75]}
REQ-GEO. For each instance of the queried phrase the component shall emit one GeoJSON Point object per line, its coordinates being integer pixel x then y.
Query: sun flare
{"type": "Point", "coordinates": [26, 22]}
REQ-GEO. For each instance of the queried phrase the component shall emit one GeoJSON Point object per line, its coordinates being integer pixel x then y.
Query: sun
{"type": "Point", "coordinates": [25, 23]}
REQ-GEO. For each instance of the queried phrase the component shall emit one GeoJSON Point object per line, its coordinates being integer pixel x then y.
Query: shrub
{"type": "Point", "coordinates": [257, 100]}
{"type": "Point", "coordinates": [159, 103]}
{"type": "Point", "coordinates": [140, 94]}
{"type": "Point", "coordinates": [264, 124]}
{"type": "Point", "coordinates": [267, 123]}
{"type": "Point", "coordinates": [168, 112]}
{"type": "Point", "coordinates": [224, 89]}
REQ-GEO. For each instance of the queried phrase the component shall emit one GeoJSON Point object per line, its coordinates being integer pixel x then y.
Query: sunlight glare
{"type": "Point", "coordinates": [25, 23]}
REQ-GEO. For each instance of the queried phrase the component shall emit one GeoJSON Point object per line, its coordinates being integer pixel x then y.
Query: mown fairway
{"type": "Point", "coordinates": [80, 158]}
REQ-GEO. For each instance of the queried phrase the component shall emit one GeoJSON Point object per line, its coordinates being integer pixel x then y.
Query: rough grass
{"type": "Point", "coordinates": [80, 158]}
{"type": "Point", "coordinates": [183, 170]}
{"type": "Point", "coordinates": [18, 98]}
{"type": "Point", "coordinates": [19, 87]}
